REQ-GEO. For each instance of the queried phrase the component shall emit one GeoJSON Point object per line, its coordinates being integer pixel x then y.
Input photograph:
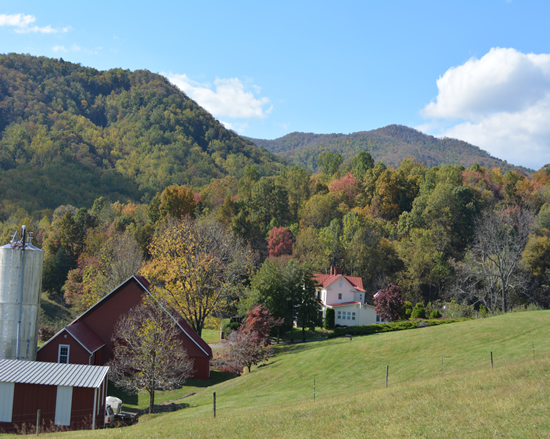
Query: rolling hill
{"type": "Point", "coordinates": [70, 134]}
{"type": "Point", "coordinates": [389, 145]}
{"type": "Point", "coordinates": [469, 399]}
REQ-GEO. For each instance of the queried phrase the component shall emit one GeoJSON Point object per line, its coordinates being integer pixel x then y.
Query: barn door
{"type": "Point", "coordinates": [63, 404]}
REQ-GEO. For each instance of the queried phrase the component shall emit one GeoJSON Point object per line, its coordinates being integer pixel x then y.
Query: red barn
{"type": "Point", "coordinates": [87, 340]}
{"type": "Point", "coordinates": [69, 396]}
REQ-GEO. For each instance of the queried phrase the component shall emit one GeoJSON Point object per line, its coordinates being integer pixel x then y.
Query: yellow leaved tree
{"type": "Point", "coordinates": [198, 269]}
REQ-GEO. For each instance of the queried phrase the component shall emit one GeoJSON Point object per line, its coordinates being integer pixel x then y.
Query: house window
{"type": "Point", "coordinates": [63, 356]}
{"type": "Point", "coordinates": [339, 315]}
{"type": "Point", "coordinates": [352, 316]}
{"type": "Point", "coordinates": [340, 284]}
{"type": "Point", "coordinates": [339, 296]}
{"type": "Point", "coordinates": [378, 319]}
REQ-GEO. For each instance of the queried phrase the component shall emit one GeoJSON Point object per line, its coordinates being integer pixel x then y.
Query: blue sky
{"type": "Point", "coordinates": [474, 70]}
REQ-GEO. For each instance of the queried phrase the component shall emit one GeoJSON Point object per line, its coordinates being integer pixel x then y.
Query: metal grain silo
{"type": "Point", "coordinates": [20, 285]}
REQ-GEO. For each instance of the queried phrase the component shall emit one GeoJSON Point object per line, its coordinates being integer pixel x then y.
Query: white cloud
{"type": "Point", "coordinates": [73, 48]}
{"type": "Point", "coordinates": [16, 20]}
{"type": "Point", "coordinates": [238, 127]}
{"type": "Point", "coordinates": [22, 24]}
{"type": "Point", "coordinates": [500, 102]}
{"type": "Point", "coordinates": [76, 48]}
{"type": "Point", "coordinates": [230, 98]}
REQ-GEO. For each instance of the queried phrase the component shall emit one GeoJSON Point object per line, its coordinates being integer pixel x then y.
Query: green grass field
{"type": "Point", "coordinates": [468, 400]}
{"type": "Point", "coordinates": [211, 336]}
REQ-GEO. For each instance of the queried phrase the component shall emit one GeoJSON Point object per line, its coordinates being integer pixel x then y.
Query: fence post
{"type": "Point", "coordinates": [214, 395]}
{"type": "Point", "coordinates": [491, 359]}
{"type": "Point", "coordinates": [387, 373]}
{"type": "Point", "coordinates": [37, 422]}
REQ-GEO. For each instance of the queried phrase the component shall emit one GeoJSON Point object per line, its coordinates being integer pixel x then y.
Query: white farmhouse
{"type": "Point", "coordinates": [345, 294]}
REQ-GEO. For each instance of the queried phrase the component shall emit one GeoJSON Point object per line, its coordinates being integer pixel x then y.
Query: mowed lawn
{"type": "Point", "coordinates": [467, 399]}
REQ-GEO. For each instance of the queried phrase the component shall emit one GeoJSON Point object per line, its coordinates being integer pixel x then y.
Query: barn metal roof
{"type": "Point", "coordinates": [52, 374]}
{"type": "Point", "coordinates": [85, 336]}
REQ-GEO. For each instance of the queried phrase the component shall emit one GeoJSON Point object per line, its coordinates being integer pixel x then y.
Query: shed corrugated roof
{"type": "Point", "coordinates": [52, 374]}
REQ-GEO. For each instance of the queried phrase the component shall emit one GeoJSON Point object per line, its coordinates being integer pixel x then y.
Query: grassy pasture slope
{"type": "Point", "coordinates": [471, 400]}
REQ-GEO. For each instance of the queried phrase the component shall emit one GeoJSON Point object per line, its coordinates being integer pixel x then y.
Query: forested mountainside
{"type": "Point", "coordinates": [389, 145]}
{"type": "Point", "coordinates": [70, 134]}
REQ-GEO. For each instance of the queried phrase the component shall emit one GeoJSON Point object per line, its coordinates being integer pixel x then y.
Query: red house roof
{"type": "Point", "coordinates": [333, 305]}
{"type": "Point", "coordinates": [326, 279]}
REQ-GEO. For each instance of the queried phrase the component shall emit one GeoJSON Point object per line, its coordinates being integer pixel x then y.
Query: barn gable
{"type": "Point", "coordinates": [93, 329]}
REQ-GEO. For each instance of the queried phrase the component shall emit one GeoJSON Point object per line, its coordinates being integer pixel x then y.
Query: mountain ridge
{"type": "Point", "coordinates": [70, 134]}
{"type": "Point", "coordinates": [390, 145]}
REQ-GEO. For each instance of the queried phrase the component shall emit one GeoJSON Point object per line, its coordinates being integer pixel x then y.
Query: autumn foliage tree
{"type": "Point", "coordinates": [248, 345]}
{"type": "Point", "coordinates": [198, 268]}
{"type": "Point", "coordinates": [177, 201]}
{"type": "Point", "coordinates": [346, 189]}
{"type": "Point", "coordinates": [260, 321]}
{"type": "Point", "coordinates": [279, 242]}
{"type": "Point", "coordinates": [243, 350]}
{"type": "Point", "coordinates": [389, 302]}
{"type": "Point", "coordinates": [147, 352]}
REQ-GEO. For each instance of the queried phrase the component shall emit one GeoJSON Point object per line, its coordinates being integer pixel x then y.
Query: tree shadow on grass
{"type": "Point", "coordinates": [164, 408]}
{"type": "Point", "coordinates": [295, 347]}
{"type": "Point", "coordinates": [216, 377]}
{"type": "Point", "coordinates": [270, 363]}
{"type": "Point", "coordinates": [126, 396]}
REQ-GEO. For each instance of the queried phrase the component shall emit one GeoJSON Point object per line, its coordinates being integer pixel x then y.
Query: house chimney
{"type": "Point", "coordinates": [335, 271]}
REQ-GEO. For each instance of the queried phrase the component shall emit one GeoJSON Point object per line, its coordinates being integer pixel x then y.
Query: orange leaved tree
{"type": "Point", "coordinates": [198, 268]}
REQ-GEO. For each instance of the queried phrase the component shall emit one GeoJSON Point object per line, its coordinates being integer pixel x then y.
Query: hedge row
{"type": "Point", "coordinates": [388, 327]}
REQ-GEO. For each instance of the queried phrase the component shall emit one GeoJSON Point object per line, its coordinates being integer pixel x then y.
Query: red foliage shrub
{"type": "Point", "coordinates": [279, 242]}
{"type": "Point", "coordinates": [345, 189]}
{"type": "Point", "coordinates": [389, 302]}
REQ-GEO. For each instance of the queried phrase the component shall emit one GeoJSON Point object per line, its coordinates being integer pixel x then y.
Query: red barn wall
{"type": "Point", "coordinates": [77, 354]}
{"type": "Point", "coordinates": [29, 398]}
{"type": "Point", "coordinates": [201, 368]}
{"type": "Point", "coordinates": [102, 320]}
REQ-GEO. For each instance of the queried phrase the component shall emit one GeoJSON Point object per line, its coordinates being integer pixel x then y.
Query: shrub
{"type": "Point", "coordinates": [483, 311]}
{"type": "Point", "coordinates": [386, 327]}
{"type": "Point", "coordinates": [45, 333]}
{"type": "Point", "coordinates": [228, 328]}
{"type": "Point", "coordinates": [418, 312]}
{"type": "Point", "coordinates": [454, 310]}
{"type": "Point", "coordinates": [406, 310]}
{"type": "Point", "coordinates": [329, 319]}
{"type": "Point", "coordinates": [389, 302]}
{"type": "Point", "coordinates": [435, 314]}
